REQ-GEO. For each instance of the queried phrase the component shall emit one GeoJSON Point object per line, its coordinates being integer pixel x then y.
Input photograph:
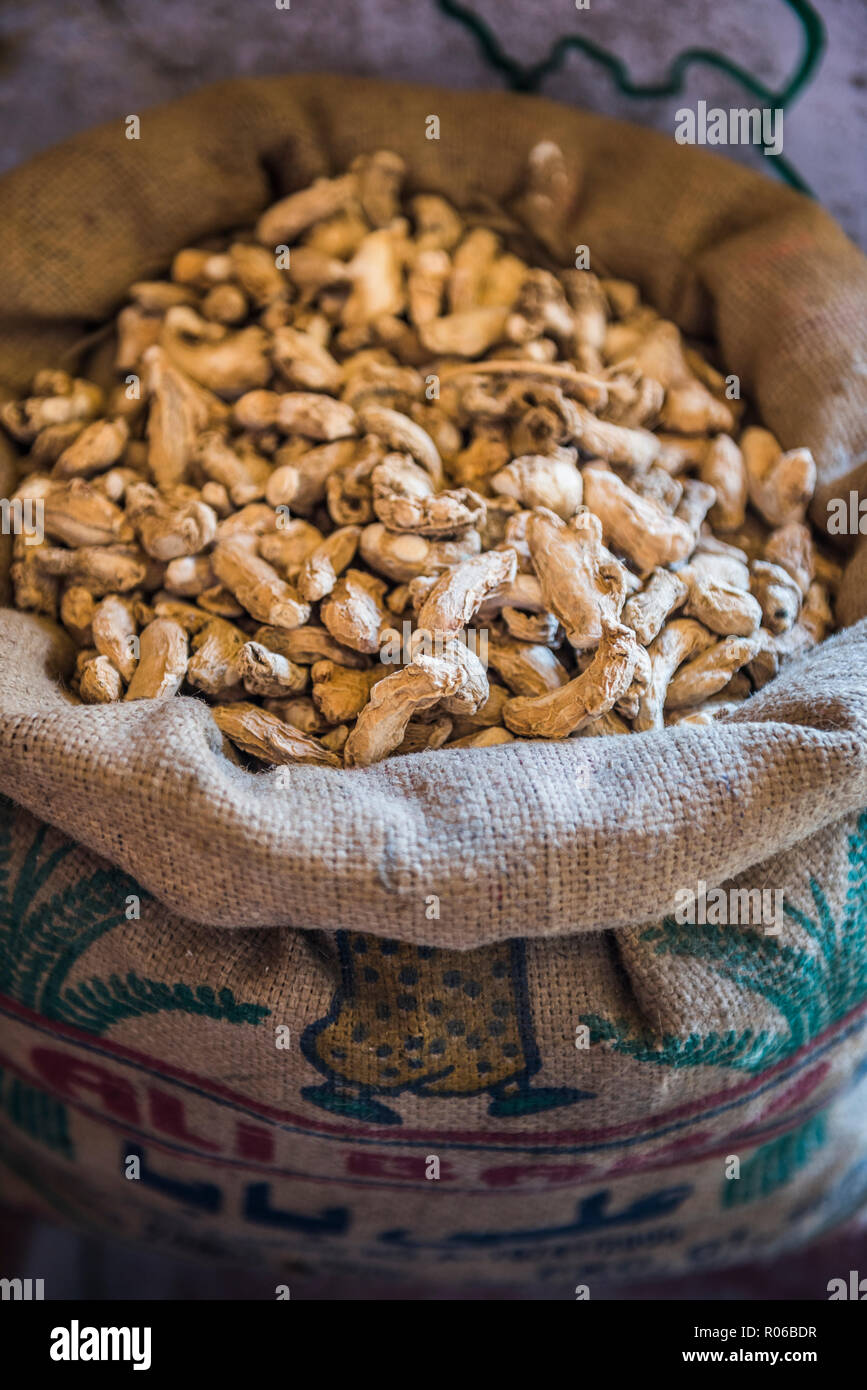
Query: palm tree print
{"type": "Point", "coordinates": [808, 988]}
{"type": "Point", "coordinates": [44, 934]}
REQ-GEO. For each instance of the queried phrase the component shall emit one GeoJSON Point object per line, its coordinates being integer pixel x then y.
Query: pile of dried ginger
{"type": "Point", "coordinates": [372, 483]}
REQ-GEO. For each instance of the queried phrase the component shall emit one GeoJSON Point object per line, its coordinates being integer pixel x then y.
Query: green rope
{"type": "Point", "coordinates": [529, 79]}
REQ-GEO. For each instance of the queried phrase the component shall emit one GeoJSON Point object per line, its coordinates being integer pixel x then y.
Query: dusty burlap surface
{"type": "Point", "coordinates": [531, 839]}
{"type": "Point", "coordinates": [285, 1094]}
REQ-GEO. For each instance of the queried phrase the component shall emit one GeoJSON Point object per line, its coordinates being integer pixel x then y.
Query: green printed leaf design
{"type": "Point", "coordinates": [776, 1163]}
{"type": "Point", "coordinates": [39, 1115]}
{"type": "Point", "coordinates": [40, 943]}
{"type": "Point", "coordinates": [809, 989]}
{"type": "Point", "coordinates": [96, 1005]}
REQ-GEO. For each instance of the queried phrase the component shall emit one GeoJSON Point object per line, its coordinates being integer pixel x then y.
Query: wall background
{"type": "Point", "coordinates": [66, 67]}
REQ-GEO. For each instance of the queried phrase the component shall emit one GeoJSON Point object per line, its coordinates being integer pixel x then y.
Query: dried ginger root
{"type": "Point", "coordinates": [569, 536]}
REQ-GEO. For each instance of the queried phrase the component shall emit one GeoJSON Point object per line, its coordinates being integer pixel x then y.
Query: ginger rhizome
{"type": "Point", "coordinates": [410, 486]}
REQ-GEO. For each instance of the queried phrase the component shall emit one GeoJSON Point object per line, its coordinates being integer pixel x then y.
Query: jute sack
{"type": "Point", "coordinates": [463, 1035]}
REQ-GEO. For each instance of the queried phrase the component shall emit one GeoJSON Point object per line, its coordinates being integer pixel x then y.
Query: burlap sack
{"type": "Point", "coordinates": [499, 1057]}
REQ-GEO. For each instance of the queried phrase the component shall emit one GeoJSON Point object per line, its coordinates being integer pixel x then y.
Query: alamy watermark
{"type": "Point", "coordinates": [735, 907]}
{"type": "Point", "coordinates": [23, 516]}
{"type": "Point", "coordinates": [77, 1343]}
{"type": "Point", "coordinates": [737, 126]}
{"type": "Point", "coordinates": [399, 648]}
{"type": "Point", "coordinates": [22, 1290]}
{"type": "Point", "coordinates": [854, 1288]}
{"type": "Point", "coordinates": [847, 516]}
